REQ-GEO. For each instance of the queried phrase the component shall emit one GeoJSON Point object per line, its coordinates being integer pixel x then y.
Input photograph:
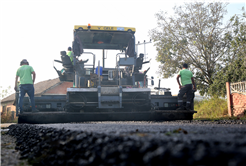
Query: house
{"type": "Point", "coordinates": [48, 87]}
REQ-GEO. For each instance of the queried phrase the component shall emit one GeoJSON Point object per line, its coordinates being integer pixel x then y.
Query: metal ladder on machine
{"type": "Point", "coordinates": [108, 97]}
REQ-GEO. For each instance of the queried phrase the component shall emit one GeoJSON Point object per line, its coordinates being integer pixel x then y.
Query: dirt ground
{"type": "Point", "coordinates": [9, 156]}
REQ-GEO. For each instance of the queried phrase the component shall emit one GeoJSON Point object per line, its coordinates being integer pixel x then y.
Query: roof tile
{"type": "Point", "coordinates": [40, 88]}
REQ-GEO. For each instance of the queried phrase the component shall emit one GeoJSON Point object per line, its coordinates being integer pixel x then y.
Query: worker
{"type": "Point", "coordinates": [27, 78]}
{"type": "Point", "coordinates": [70, 54]}
{"type": "Point", "coordinates": [188, 83]}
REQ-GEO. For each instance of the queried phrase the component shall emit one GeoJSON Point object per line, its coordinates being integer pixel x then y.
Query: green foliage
{"type": "Point", "coordinates": [234, 71]}
{"type": "Point", "coordinates": [193, 35]}
{"type": "Point", "coordinates": [211, 108]}
{"type": "Point", "coordinates": [5, 92]}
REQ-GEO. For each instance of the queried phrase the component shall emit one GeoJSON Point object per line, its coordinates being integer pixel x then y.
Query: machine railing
{"type": "Point", "coordinates": [238, 87]}
{"type": "Point", "coordinates": [98, 74]}
{"type": "Point", "coordinates": [118, 67]}
{"type": "Point", "coordinates": [94, 58]}
{"type": "Point", "coordinates": [77, 79]}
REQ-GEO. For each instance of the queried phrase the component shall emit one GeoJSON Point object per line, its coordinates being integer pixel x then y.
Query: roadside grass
{"type": "Point", "coordinates": [213, 109]}
{"type": "Point", "coordinates": [8, 118]}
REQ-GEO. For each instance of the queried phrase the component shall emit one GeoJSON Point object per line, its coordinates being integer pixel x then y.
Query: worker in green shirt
{"type": "Point", "coordinates": [27, 78]}
{"type": "Point", "coordinates": [70, 54]}
{"type": "Point", "coordinates": [188, 84]}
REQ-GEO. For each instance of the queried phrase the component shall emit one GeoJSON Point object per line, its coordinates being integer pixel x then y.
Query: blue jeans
{"type": "Point", "coordinates": [187, 89]}
{"type": "Point", "coordinates": [29, 89]}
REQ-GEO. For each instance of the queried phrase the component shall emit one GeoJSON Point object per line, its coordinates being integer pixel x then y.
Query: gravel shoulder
{"type": "Point", "coordinates": [10, 156]}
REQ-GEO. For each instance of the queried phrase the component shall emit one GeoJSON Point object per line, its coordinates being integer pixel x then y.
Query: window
{"type": "Point", "coordinates": [8, 109]}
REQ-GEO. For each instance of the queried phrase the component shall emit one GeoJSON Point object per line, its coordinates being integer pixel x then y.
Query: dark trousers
{"type": "Point", "coordinates": [187, 89]}
{"type": "Point", "coordinates": [29, 89]}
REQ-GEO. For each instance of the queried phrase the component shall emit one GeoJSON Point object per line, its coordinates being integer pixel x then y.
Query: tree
{"type": "Point", "coordinates": [195, 35]}
{"type": "Point", "coordinates": [236, 70]}
{"type": "Point", "coordinates": [5, 92]}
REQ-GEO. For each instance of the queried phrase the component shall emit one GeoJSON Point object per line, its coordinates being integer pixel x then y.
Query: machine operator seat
{"type": "Point", "coordinates": [66, 62]}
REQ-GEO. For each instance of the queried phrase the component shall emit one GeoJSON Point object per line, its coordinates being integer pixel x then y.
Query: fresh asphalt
{"type": "Point", "coordinates": [189, 130]}
{"type": "Point", "coordinates": [194, 142]}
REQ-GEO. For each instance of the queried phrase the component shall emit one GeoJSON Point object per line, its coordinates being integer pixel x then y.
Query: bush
{"type": "Point", "coordinates": [7, 118]}
{"type": "Point", "coordinates": [212, 108]}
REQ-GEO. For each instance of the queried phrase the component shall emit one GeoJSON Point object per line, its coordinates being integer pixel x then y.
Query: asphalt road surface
{"type": "Point", "coordinates": [133, 143]}
{"type": "Point", "coordinates": [164, 130]}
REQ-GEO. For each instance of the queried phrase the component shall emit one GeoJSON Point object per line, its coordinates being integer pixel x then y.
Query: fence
{"type": "Point", "coordinates": [236, 98]}
{"type": "Point", "coordinates": [238, 87]}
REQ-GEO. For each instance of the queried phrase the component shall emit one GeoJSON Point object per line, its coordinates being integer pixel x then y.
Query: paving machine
{"type": "Point", "coordinates": [99, 93]}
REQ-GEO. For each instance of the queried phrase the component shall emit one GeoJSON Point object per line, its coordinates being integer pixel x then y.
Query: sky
{"type": "Point", "coordinates": [39, 30]}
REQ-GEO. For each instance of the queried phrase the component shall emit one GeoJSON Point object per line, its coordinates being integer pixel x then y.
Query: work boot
{"type": "Point", "coordinates": [188, 108]}
{"type": "Point", "coordinates": [35, 110]}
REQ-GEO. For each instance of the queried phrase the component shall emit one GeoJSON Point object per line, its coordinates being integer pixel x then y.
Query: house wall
{"type": "Point", "coordinates": [61, 89]}
{"type": "Point", "coordinates": [8, 109]}
{"type": "Point", "coordinates": [239, 104]}
{"type": "Point", "coordinates": [1, 108]}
